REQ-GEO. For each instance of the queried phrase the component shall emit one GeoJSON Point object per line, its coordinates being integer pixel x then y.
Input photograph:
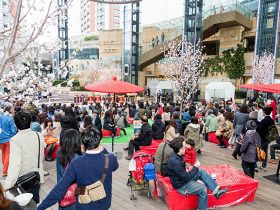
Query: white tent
{"type": "Point", "coordinates": [224, 90]}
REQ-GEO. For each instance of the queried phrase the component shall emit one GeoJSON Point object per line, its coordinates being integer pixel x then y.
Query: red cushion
{"type": "Point", "coordinates": [213, 138]}
{"type": "Point", "coordinates": [107, 133]}
{"type": "Point", "coordinates": [241, 189]}
{"type": "Point", "coordinates": [152, 148]}
{"type": "Point", "coordinates": [57, 146]}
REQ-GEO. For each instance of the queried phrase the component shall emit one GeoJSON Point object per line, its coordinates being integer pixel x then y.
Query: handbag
{"type": "Point", "coordinates": [163, 166]}
{"type": "Point", "coordinates": [95, 191]}
{"type": "Point", "coordinates": [69, 198]}
{"type": "Point", "coordinates": [32, 179]}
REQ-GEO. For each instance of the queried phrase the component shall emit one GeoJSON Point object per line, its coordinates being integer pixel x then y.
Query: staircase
{"type": "Point", "coordinates": [213, 20]}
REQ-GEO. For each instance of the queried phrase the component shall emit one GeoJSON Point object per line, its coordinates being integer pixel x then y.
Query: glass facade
{"type": "Point", "coordinates": [268, 24]}
{"type": "Point", "coordinates": [193, 20]}
{"type": "Point", "coordinates": [131, 43]}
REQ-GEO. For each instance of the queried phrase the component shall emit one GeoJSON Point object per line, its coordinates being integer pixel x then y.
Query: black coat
{"type": "Point", "coordinates": [177, 171]}
{"type": "Point", "coordinates": [263, 128]}
{"type": "Point", "coordinates": [145, 136]}
{"type": "Point", "coordinates": [158, 130]}
{"type": "Point", "coordinates": [98, 123]}
{"type": "Point", "coordinates": [108, 124]}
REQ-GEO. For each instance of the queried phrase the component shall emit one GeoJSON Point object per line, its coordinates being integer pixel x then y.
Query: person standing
{"type": "Point", "coordinates": [248, 148]}
{"type": "Point", "coordinates": [158, 128]}
{"type": "Point", "coordinates": [192, 132]}
{"type": "Point", "coordinates": [25, 152]}
{"type": "Point", "coordinates": [263, 131]}
{"type": "Point", "coordinates": [7, 131]}
{"type": "Point", "coordinates": [158, 96]}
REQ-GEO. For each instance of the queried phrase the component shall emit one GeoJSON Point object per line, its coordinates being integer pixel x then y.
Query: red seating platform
{"type": "Point", "coordinates": [107, 133]}
{"type": "Point", "coordinates": [241, 189]}
{"type": "Point", "coordinates": [213, 138]}
{"type": "Point", "coordinates": [151, 149]}
{"type": "Point", "coordinates": [57, 146]}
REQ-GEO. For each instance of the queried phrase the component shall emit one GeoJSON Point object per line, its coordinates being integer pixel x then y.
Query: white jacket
{"type": "Point", "coordinates": [24, 156]}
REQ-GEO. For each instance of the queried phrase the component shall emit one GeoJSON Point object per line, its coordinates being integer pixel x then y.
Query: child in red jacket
{"type": "Point", "coordinates": [190, 154]}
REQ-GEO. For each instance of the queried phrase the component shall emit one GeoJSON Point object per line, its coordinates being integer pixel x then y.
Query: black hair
{"type": "Point", "coordinates": [87, 121]}
{"type": "Point", "coordinates": [34, 117]}
{"type": "Point", "coordinates": [244, 109]}
{"type": "Point", "coordinates": [157, 117]}
{"type": "Point", "coordinates": [221, 111]}
{"type": "Point", "coordinates": [70, 144]}
{"type": "Point", "coordinates": [267, 110]}
{"type": "Point", "coordinates": [69, 111]}
{"type": "Point", "coordinates": [176, 144]}
{"type": "Point", "coordinates": [194, 120]}
{"type": "Point", "coordinates": [190, 142]}
{"type": "Point", "coordinates": [22, 120]}
{"type": "Point", "coordinates": [91, 137]}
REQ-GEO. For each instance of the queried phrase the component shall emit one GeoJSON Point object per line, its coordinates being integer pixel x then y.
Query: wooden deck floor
{"type": "Point", "coordinates": [267, 198]}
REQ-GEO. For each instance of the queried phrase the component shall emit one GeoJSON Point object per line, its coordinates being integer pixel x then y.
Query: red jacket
{"type": "Point", "coordinates": [190, 156]}
{"type": "Point", "coordinates": [273, 106]}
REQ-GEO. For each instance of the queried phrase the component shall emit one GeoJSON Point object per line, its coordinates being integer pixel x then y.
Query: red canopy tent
{"type": "Point", "coordinates": [114, 86]}
{"type": "Point", "coordinates": [271, 88]}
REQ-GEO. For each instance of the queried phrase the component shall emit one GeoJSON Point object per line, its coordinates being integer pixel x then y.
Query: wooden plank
{"type": "Point", "coordinates": [267, 197]}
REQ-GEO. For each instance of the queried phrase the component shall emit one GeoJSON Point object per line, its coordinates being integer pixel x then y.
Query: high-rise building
{"type": "Point", "coordinates": [97, 16]}
{"type": "Point", "coordinates": [4, 15]}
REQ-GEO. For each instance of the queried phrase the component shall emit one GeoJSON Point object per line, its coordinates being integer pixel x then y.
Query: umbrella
{"type": "Point", "coordinates": [258, 87]}
{"type": "Point", "coordinates": [114, 86]}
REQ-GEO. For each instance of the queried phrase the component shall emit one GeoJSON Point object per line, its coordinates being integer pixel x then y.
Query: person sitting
{"type": "Point", "coordinates": [85, 171]}
{"type": "Point", "coordinates": [190, 155]}
{"type": "Point", "coordinates": [166, 115]}
{"type": "Point", "coordinates": [87, 122]}
{"type": "Point", "coordinates": [274, 147]}
{"type": "Point", "coordinates": [179, 126]}
{"type": "Point", "coordinates": [170, 131]}
{"type": "Point", "coordinates": [162, 154]}
{"type": "Point", "coordinates": [96, 119]}
{"type": "Point", "coordinates": [142, 139]}
{"type": "Point", "coordinates": [119, 121]}
{"type": "Point", "coordinates": [108, 123]}
{"type": "Point", "coordinates": [35, 125]}
{"type": "Point", "coordinates": [158, 128]}
{"type": "Point", "coordinates": [211, 123]}
{"type": "Point", "coordinates": [192, 132]}
{"type": "Point", "coordinates": [57, 126]}
{"type": "Point", "coordinates": [185, 182]}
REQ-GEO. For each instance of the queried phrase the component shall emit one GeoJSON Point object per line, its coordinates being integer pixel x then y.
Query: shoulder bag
{"type": "Point", "coordinates": [69, 198]}
{"type": "Point", "coordinates": [163, 166]}
{"type": "Point", "coordinates": [95, 191]}
{"type": "Point", "coordinates": [260, 152]}
{"type": "Point", "coordinates": [32, 179]}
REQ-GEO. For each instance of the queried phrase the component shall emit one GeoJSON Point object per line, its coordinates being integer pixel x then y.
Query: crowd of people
{"type": "Point", "coordinates": [78, 129]}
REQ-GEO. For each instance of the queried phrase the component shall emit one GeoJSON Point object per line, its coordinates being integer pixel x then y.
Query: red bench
{"type": "Point", "coordinates": [107, 133]}
{"type": "Point", "coordinates": [241, 189]}
{"type": "Point", "coordinates": [57, 146]}
{"type": "Point", "coordinates": [213, 138]}
{"type": "Point", "coordinates": [151, 149]}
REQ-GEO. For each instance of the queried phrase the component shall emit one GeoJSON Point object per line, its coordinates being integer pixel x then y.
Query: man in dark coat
{"type": "Point", "coordinates": [263, 130]}
{"type": "Point", "coordinates": [142, 139]}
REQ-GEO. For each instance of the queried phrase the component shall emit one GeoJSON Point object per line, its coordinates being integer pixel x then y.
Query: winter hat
{"type": "Point", "coordinates": [253, 115]}
{"type": "Point", "coordinates": [251, 125]}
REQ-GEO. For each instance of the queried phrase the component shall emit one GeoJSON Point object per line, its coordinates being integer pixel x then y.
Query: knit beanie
{"type": "Point", "coordinates": [251, 125]}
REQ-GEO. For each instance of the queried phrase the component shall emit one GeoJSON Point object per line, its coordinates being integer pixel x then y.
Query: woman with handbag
{"type": "Point", "coordinates": [27, 152]}
{"type": "Point", "coordinates": [93, 174]}
{"type": "Point", "coordinates": [70, 148]}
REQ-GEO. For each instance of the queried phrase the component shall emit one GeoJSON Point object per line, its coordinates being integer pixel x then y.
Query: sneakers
{"type": "Point", "coordinates": [220, 193]}
{"type": "Point", "coordinates": [273, 161]}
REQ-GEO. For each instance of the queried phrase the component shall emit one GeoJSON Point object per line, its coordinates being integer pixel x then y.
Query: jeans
{"type": "Point", "coordinates": [5, 148]}
{"type": "Point", "coordinates": [248, 168]}
{"type": "Point", "coordinates": [196, 188]}
{"type": "Point", "coordinates": [274, 147]}
{"type": "Point", "coordinates": [265, 149]}
{"type": "Point", "coordinates": [134, 144]}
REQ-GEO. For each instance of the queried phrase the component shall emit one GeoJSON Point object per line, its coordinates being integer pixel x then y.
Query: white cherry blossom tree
{"type": "Point", "coordinates": [263, 68]}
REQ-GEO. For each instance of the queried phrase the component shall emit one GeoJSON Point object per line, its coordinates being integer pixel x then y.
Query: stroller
{"type": "Point", "coordinates": [145, 171]}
